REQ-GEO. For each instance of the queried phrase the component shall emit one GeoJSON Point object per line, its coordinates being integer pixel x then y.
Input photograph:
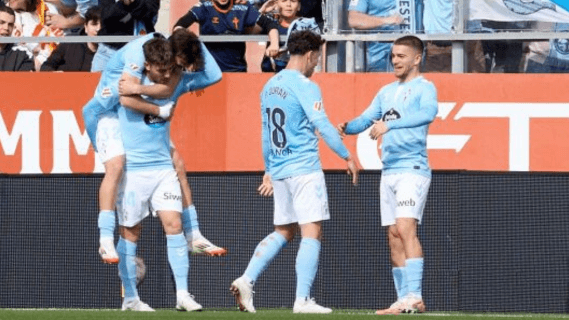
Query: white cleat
{"type": "Point", "coordinates": [203, 247]}
{"type": "Point", "coordinates": [308, 305]}
{"type": "Point", "coordinates": [413, 304]}
{"type": "Point", "coordinates": [243, 293]}
{"type": "Point", "coordinates": [107, 251]}
{"type": "Point", "coordinates": [136, 305]}
{"type": "Point", "coordinates": [186, 302]}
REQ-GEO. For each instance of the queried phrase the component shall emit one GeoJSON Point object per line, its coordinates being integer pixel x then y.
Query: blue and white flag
{"type": "Point", "coordinates": [520, 10]}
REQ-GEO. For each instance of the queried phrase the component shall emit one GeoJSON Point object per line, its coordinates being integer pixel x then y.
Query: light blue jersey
{"type": "Point", "coordinates": [292, 110]}
{"type": "Point", "coordinates": [377, 52]}
{"type": "Point", "coordinates": [438, 16]}
{"type": "Point", "coordinates": [407, 109]}
{"type": "Point", "coordinates": [129, 59]}
{"type": "Point", "coordinates": [146, 138]}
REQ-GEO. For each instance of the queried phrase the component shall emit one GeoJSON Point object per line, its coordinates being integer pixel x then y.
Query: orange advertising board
{"type": "Point", "coordinates": [485, 122]}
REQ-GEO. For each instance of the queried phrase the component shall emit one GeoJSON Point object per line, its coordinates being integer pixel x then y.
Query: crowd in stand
{"type": "Point", "coordinates": [58, 18]}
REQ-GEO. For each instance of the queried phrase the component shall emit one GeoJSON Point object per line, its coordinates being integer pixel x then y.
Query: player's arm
{"type": "Point", "coordinates": [428, 109]}
{"type": "Point", "coordinates": [311, 102]}
{"type": "Point", "coordinates": [266, 188]}
{"type": "Point", "coordinates": [362, 21]}
{"type": "Point", "coordinates": [189, 18]}
{"type": "Point", "coordinates": [130, 85]}
{"type": "Point", "coordinates": [211, 73]}
{"type": "Point", "coordinates": [365, 120]}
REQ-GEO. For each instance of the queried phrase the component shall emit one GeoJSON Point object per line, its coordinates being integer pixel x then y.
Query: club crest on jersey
{"type": "Point", "coordinates": [106, 92]}
{"type": "Point", "coordinates": [154, 121]}
{"type": "Point", "coordinates": [215, 20]}
{"type": "Point", "coordinates": [134, 66]}
{"type": "Point", "coordinates": [318, 105]}
{"type": "Point", "coordinates": [391, 115]}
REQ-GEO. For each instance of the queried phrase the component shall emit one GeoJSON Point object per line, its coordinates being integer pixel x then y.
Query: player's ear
{"type": "Point", "coordinates": [146, 66]}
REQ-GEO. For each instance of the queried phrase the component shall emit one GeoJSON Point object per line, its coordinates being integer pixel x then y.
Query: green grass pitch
{"type": "Point", "coordinates": [268, 314]}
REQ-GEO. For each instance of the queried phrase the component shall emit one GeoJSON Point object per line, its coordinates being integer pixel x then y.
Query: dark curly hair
{"type": "Point", "coordinates": [301, 42]}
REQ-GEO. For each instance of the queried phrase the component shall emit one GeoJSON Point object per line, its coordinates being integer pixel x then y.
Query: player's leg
{"type": "Point", "coordinates": [197, 243]}
{"type": "Point", "coordinates": [169, 210]}
{"type": "Point", "coordinates": [132, 208]}
{"type": "Point", "coordinates": [388, 206]}
{"type": "Point", "coordinates": [310, 202]}
{"type": "Point", "coordinates": [111, 151]}
{"type": "Point", "coordinates": [412, 192]}
{"type": "Point", "coordinates": [268, 248]}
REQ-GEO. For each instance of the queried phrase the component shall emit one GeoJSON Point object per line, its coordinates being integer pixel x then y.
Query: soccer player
{"type": "Point", "coordinates": [150, 181]}
{"type": "Point", "coordinates": [103, 129]}
{"type": "Point", "coordinates": [401, 112]}
{"type": "Point", "coordinates": [292, 111]}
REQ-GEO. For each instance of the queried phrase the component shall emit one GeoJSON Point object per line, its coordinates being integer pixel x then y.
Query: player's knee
{"type": "Point", "coordinates": [115, 167]}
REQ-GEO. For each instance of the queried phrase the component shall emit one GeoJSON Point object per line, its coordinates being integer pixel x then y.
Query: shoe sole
{"type": "Point", "coordinates": [390, 311]}
{"type": "Point", "coordinates": [110, 260]}
{"type": "Point", "coordinates": [213, 253]}
{"type": "Point", "coordinates": [235, 292]}
{"type": "Point", "coordinates": [180, 308]}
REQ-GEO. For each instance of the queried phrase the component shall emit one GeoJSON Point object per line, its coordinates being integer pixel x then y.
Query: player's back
{"type": "Point", "coordinates": [130, 59]}
{"type": "Point", "coordinates": [288, 133]}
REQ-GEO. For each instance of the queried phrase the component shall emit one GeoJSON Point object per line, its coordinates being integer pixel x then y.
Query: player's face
{"type": "Point", "coordinates": [92, 27]}
{"type": "Point", "coordinates": [159, 73]}
{"type": "Point", "coordinates": [405, 60]}
{"type": "Point", "coordinates": [6, 24]}
{"type": "Point", "coordinates": [314, 58]}
{"type": "Point", "coordinates": [288, 8]}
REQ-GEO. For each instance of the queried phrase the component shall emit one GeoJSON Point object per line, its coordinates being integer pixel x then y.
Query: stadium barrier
{"type": "Point", "coordinates": [492, 242]}
{"type": "Point", "coordinates": [485, 122]}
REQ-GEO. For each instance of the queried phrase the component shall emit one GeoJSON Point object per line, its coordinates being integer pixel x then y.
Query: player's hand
{"type": "Point", "coordinates": [166, 111]}
{"type": "Point", "coordinates": [55, 21]}
{"type": "Point", "coordinates": [127, 88]}
{"type": "Point", "coordinates": [266, 188]}
{"type": "Point", "coordinates": [272, 50]}
{"type": "Point", "coordinates": [379, 128]}
{"type": "Point", "coordinates": [342, 129]}
{"type": "Point", "coordinates": [127, 2]}
{"type": "Point", "coordinates": [269, 6]}
{"type": "Point", "coordinates": [395, 19]}
{"type": "Point", "coordinates": [353, 170]}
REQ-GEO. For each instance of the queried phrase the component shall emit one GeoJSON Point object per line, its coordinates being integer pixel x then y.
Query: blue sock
{"type": "Point", "coordinates": [127, 267]}
{"type": "Point", "coordinates": [178, 259]}
{"type": "Point", "coordinates": [106, 223]}
{"type": "Point", "coordinates": [306, 266]}
{"type": "Point", "coordinates": [265, 252]}
{"type": "Point", "coordinates": [414, 270]}
{"type": "Point", "coordinates": [190, 219]}
{"type": "Point", "coordinates": [400, 280]}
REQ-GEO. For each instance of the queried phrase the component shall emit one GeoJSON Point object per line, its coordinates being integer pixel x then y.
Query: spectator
{"type": "Point", "coordinates": [123, 18]}
{"type": "Point", "coordinates": [378, 15]}
{"type": "Point", "coordinates": [285, 14]}
{"type": "Point", "coordinates": [503, 56]}
{"type": "Point", "coordinates": [438, 18]}
{"type": "Point", "coordinates": [218, 17]}
{"type": "Point", "coordinates": [30, 22]}
{"type": "Point", "coordinates": [549, 56]}
{"type": "Point", "coordinates": [308, 9]}
{"type": "Point", "coordinates": [76, 56]}
{"type": "Point", "coordinates": [73, 14]}
{"type": "Point", "coordinates": [12, 58]}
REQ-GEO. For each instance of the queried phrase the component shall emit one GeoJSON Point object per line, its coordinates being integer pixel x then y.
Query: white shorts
{"type": "Point", "coordinates": [402, 195]}
{"type": "Point", "coordinates": [301, 199]}
{"type": "Point", "coordinates": [143, 191]}
{"type": "Point", "coordinates": [109, 138]}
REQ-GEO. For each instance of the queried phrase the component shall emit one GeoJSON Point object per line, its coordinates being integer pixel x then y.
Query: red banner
{"type": "Point", "coordinates": [485, 122]}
